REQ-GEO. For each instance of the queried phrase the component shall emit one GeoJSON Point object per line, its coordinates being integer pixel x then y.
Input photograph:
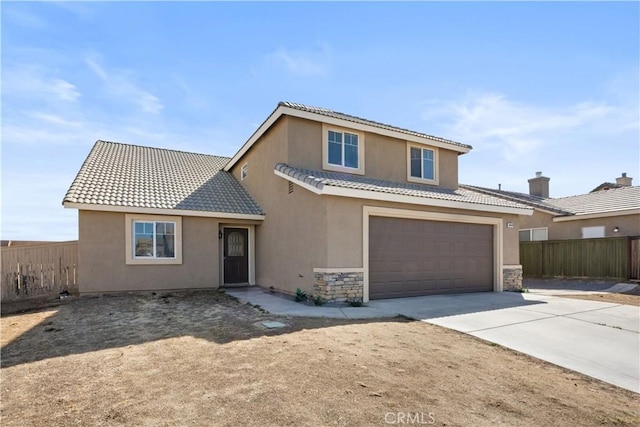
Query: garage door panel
{"type": "Point", "coordinates": [410, 257]}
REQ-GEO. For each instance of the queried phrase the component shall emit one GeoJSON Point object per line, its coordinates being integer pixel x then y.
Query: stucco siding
{"type": "Point", "coordinates": [629, 225]}
{"type": "Point", "coordinates": [385, 157]}
{"type": "Point", "coordinates": [102, 263]}
{"type": "Point", "coordinates": [305, 143]}
{"type": "Point", "coordinates": [292, 239]}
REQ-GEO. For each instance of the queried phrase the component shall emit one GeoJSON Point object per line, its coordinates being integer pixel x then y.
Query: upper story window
{"type": "Point", "coordinates": [343, 150]}
{"type": "Point", "coordinates": [244, 172]}
{"type": "Point", "coordinates": [422, 164]}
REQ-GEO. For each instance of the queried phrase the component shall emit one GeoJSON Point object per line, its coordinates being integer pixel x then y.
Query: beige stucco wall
{"type": "Point", "coordinates": [344, 229]}
{"type": "Point", "coordinates": [302, 230]}
{"type": "Point", "coordinates": [101, 256]}
{"type": "Point", "coordinates": [385, 157]}
{"type": "Point", "coordinates": [629, 225]}
{"type": "Point", "coordinates": [292, 239]}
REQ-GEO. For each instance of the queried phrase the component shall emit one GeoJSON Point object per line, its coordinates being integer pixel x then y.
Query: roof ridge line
{"type": "Point", "coordinates": [161, 149]}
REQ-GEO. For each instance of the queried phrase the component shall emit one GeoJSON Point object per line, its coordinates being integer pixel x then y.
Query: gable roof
{"type": "Point", "coordinates": [132, 178]}
{"type": "Point", "coordinates": [345, 120]}
{"type": "Point", "coordinates": [348, 185]}
{"type": "Point", "coordinates": [620, 200]}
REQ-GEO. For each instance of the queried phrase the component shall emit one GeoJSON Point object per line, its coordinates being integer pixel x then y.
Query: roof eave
{"type": "Point", "coordinates": [535, 206]}
{"type": "Point", "coordinates": [161, 211]}
{"type": "Point", "coordinates": [329, 190]}
{"type": "Point", "coordinates": [577, 217]}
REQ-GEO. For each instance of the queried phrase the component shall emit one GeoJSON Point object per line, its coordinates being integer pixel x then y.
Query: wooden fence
{"type": "Point", "coordinates": [594, 258]}
{"type": "Point", "coordinates": [635, 258]}
{"type": "Point", "coordinates": [38, 270]}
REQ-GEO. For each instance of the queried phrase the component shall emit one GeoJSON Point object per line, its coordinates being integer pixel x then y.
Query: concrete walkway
{"type": "Point", "coordinates": [598, 339]}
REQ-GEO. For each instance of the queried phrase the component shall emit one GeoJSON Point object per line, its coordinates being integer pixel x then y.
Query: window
{"type": "Point", "coordinates": [152, 239]}
{"type": "Point", "coordinates": [534, 234]}
{"type": "Point", "coordinates": [343, 150]}
{"type": "Point", "coordinates": [244, 171]}
{"type": "Point", "coordinates": [592, 232]}
{"type": "Point", "coordinates": [422, 164]}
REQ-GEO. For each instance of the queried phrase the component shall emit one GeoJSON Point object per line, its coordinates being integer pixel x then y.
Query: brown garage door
{"type": "Point", "coordinates": [409, 257]}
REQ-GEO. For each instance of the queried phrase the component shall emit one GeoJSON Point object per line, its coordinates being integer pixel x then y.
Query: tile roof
{"type": "Point", "coordinates": [319, 179]}
{"type": "Point", "coordinates": [116, 174]}
{"type": "Point", "coordinates": [614, 199]}
{"type": "Point", "coordinates": [342, 116]}
{"type": "Point", "coordinates": [527, 199]}
{"type": "Point", "coordinates": [603, 201]}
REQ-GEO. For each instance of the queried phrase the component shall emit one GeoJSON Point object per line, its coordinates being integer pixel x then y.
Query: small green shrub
{"type": "Point", "coordinates": [317, 300]}
{"type": "Point", "coordinates": [354, 302]}
{"type": "Point", "coordinates": [301, 295]}
{"type": "Point", "coordinates": [524, 290]}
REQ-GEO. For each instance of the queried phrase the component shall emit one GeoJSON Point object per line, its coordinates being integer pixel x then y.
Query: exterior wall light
{"type": "Point", "coordinates": [616, 229]}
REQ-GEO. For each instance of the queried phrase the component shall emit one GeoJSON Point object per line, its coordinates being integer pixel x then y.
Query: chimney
{"type": "Point", "coordinates": [624, 180]}
{"type": "Point", "coordinates": [539, 186]}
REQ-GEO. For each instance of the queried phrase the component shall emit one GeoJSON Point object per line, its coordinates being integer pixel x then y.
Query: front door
{"type": "Point", "coordinates": [236, 258]}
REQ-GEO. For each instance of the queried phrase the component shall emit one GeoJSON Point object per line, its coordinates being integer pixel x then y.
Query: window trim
{"type": "Point", "coordinates": [530, 230]}
{"type": "Point", "coordinates": [436, 169]}
{"type": "Point", "coordinates": [129, 230]}
{"type": "Point", "coordinates": [325, 150]}
{"type": "Point", "coordinates": [244, 171]}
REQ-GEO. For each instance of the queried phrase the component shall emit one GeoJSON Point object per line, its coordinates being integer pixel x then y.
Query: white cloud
{"type": "Point", "coordinates": [33, 81]}
{"type": "Point", "coordinates": [304, 61]}
{"type": "Point", "coordinates": [491, 121]}
{"type": "Point", "coordinates": [118, 84]}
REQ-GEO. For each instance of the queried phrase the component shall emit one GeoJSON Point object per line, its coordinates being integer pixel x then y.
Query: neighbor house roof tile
{"type": "Point", "coordinates": [614, 199]}
{"type": "Point", "coordinates": [319, 179]}
{"type": "Point", "coordinates": [116, 174]}
{"type": "Point", "coordinates": [599, 202]}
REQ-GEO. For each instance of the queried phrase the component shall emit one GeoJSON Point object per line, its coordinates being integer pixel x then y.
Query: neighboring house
{"type": "Point", "coordinates": [610, 210]}
{"type": "Point", "coordinates": [335, 205]}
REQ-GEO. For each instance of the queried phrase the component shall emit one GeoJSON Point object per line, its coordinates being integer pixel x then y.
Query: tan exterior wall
{"type": "Point", "coordinates": [101, 257]}
{"type": "Point", "coordinates": [305, 143]}
{"type": "Point", "coordinates": [385, 157]}
{"type": "Point", "coordinates": [629, 225]}
{"type": "Point", "coordinates": [292, 239]}
{"type": "Point", "coordinates": [344, 230]}
{"type": "Point", "coordinates": [302, 230]}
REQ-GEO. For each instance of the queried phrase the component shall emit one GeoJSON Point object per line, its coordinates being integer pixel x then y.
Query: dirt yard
{"type": "Point", "coordinates": [631, 297]}
{"type": "Point", "coordinates": [204, 359]}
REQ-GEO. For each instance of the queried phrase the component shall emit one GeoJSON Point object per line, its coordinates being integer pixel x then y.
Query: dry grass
{"type": "Point", "coordinates": [202, 358]}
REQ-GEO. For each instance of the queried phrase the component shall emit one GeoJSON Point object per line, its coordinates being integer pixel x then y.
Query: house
{"type": "Point", "coordinates": [336, 205]}
{"type": "Point", "coordinates": [610, 210]}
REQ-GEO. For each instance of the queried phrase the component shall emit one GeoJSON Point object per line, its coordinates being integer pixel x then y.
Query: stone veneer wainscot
{"type": "Point", "coordinates": [512, 277]}
{"type": "Point", "coordinates": [339, 285]}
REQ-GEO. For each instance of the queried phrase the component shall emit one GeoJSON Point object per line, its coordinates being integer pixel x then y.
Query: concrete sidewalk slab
{"type": "Point", "coordinates": [601, 352]}
{"type": "Point", "coordinates": [619, 316]}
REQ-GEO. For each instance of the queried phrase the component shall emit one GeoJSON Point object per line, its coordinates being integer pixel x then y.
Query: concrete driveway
{"type": "Point", "coordinates": [598, 339]}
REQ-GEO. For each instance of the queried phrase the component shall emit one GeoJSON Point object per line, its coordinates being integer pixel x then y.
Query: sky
{"type": "Point", "coordinates": [539, 86]}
